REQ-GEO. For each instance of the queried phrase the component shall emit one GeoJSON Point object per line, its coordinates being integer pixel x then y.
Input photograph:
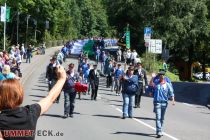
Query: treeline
{"type": "Point", "coordinates": [183, 25]}
{"type": "Point", "coordinates": [55, 20]}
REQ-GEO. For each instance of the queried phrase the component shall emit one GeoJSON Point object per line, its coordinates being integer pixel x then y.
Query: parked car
{"type": "Point", "coordinates": [199, 75]}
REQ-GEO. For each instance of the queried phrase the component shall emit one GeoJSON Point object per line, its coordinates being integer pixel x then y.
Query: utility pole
{"type": "Point", "coordinates": [5, 24]}
{"type": "Point", "coordinates": [27, 18]}
{"type": "Point", "coordinates": [18, 13]}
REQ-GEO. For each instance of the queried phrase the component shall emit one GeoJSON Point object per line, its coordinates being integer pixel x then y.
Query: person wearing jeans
{"type": "Point", "coordinates": [128, 101]}
{"type": "Point", "coordinates": [69, 91]}
{"type": "Point", "coordinates": [129, 89]}
{"type": "Point", "coordinates": [69, 103]}
{"type": "Point", "coordinates": [161, 92]}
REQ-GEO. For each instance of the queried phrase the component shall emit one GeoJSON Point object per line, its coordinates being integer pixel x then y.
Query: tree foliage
{"type": "Point", "coordinates": [68, 19]}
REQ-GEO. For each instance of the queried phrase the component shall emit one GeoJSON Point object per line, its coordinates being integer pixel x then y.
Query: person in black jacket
{"type": "Point", "coordinates": [51, 76]}
{"type": "Point", "coordinates": [94, 81]}
{"type": "Point", "coordinates": [142, 76]}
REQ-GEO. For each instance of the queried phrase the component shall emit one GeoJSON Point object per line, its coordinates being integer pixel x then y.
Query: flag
{"type": "Point", "coordinates": [8, 14]}
{"type": "Point", "coordinates": [3, 14]}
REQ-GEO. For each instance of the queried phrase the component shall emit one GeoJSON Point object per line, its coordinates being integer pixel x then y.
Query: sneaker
{"type": "Point", "coordinates": [65, 116]}
{"type": "Point", "coordinates": [131, 117]}
{"type": "Point", "coordinates": [71, 115]}
{"type": "Point", "coordinates": [158, 136]}
{"type": "Point", "coordinates": [123, 117]}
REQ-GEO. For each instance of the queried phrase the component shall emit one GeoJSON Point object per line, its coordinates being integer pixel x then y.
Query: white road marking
{"type": "Point", "coordinates": [147, 125]}
{"type": "Point", "coordinates": [188, 104]}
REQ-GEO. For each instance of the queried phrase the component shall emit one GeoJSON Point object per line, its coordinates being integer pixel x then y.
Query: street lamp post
{"type": "Point", "coordinates": [27, 18]}
{"type": "Point", "coordinates": [18, 13]}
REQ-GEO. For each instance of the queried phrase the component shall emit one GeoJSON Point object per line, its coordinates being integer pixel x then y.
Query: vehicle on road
{"type": "Point", "coordinates": [199, 75]}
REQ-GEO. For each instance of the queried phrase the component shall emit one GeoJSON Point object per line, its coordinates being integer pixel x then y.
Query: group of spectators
{"type": "Point", "coordinates": [11, 60]}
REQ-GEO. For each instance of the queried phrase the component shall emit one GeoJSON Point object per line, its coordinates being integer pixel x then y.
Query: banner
{"type": "Point", "coordinates": [3, 14]}
{"type": "Point", "coordinates": [128, 40]}
{"type": "Point", "coordinates": [8, 14]}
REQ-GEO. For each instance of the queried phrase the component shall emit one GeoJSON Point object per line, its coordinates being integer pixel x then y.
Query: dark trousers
{"type": "Point", "coordinates": [108, 81]}
{"type": "Point", "coordinates": [69, 102]}
{"type": "Point", "coordinates": [138, 95]}
{"type": "Point", "coordinates": [50, 86]}
{"type": "Point", "coordinates": [94, 92]}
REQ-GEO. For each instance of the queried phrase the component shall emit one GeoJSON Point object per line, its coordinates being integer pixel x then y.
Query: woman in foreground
{"type": "Point", "coordinates": [19, 123]}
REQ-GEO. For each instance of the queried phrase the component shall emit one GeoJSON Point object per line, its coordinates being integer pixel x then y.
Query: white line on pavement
{"type": "Point", "coordinates": [147, 125]}
{"type": "Point", "coordinates": [188, 104]}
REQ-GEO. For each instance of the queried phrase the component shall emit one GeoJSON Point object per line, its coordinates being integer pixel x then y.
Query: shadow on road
{"type": "Point", "coordinates": [107, 116]}
{"type": "Point", "coordinates": [116, 105]}
{"type": "Point", "coordinates": [53, 115]}
{"type": "Point", "coordinates": [37, 96]}
{"type": "Point", "coordinates": [116, 100]}
{"type": "Point", "coordinates": [135, 133]}
{"type": "Point", "coordinates": [39, 89]}
{"type": "Point", "coordinates": [144, 118]}
{"type": "Point", "coordinates": [110, 94]}
{"type": "Point", "coordinates": [41, 86]}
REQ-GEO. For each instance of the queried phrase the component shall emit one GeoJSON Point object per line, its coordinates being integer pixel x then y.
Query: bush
{"type": "Point", "coordinates": [150, 62]}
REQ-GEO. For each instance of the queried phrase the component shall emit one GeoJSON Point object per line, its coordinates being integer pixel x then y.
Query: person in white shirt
{"type": "Point", "coordinates": [133, 56]}
{"type": "Point", "coordinates": [119, 55]}
{"type": "Point", "coordinates": [128, 57]}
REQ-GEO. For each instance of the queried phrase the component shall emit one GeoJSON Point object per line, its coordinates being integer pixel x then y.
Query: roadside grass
{"type": "Point", "coordinates": [173, 77]}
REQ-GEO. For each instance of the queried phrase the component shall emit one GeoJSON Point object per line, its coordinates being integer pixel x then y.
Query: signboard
{"type": "Point", "coordinates": [147, 43]}
{"type": "Point", "coordinates": [155, 46]}
{"type": "Point", "coordinates": [128, 39]}
{"type": "Point", "coordinates": [147, 33]}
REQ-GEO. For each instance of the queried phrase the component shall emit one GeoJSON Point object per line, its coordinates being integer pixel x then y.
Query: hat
{"type": "Point", "coordinates": [6, 69]}
{"type": "Point", "coordinates": [131, 68]}
{"type": "Point", "coordinates": [139, 63]}
{"type": "Point", "coordinates": [161, 72]}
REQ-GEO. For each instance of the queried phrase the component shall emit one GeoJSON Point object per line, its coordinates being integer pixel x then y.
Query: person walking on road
{"type": "Point", "coordinates": [51, 75]}
{"type": "Point", "coordinates": [113, 76]}
{"type": "Point", "coordinates": [28, 54]}
{"type": "Point", "coordinates": [94, 81]}
{"type": "Point", "coordinates": [142, 77]}
{"type": "Point", "coordinates": [69, 91]}
{"type": "Point", "coordinates": [24, 119]}
{"type": "Point", "coordinates": [162, 91]}
{"type": "Point", "coordinates": [119, 72]}
{"type": "Point", "coordinates": [119, 55]}
{"type": "Point", "coordinates": [129, 89]}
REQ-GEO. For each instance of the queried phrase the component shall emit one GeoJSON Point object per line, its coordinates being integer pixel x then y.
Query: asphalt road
{"type": "Point", "coordinates": [101, 119]}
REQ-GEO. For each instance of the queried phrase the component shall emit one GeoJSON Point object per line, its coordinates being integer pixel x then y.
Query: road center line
{"type": "Point", "coordinates": [147, 125]}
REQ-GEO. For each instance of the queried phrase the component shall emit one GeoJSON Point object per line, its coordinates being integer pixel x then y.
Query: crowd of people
{"type": "Point", "coordinates": [130, 83]}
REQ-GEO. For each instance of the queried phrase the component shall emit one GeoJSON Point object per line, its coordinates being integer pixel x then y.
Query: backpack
{"type": "Point", "coordinates": [131, 86]}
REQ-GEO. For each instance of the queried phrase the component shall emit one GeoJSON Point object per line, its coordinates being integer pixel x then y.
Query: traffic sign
{"type": "Point", "coordinates": [147, 33]}
{"type": "Point", "coordinates": [155, 46]}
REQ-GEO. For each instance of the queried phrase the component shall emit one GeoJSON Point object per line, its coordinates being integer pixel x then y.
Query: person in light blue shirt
{"type": "Point", "coordinates": [119, 72]}
{"type": "Point", "coordinates": [162, 92]}
{"type": "Point", "coordinates": [6, 74]}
